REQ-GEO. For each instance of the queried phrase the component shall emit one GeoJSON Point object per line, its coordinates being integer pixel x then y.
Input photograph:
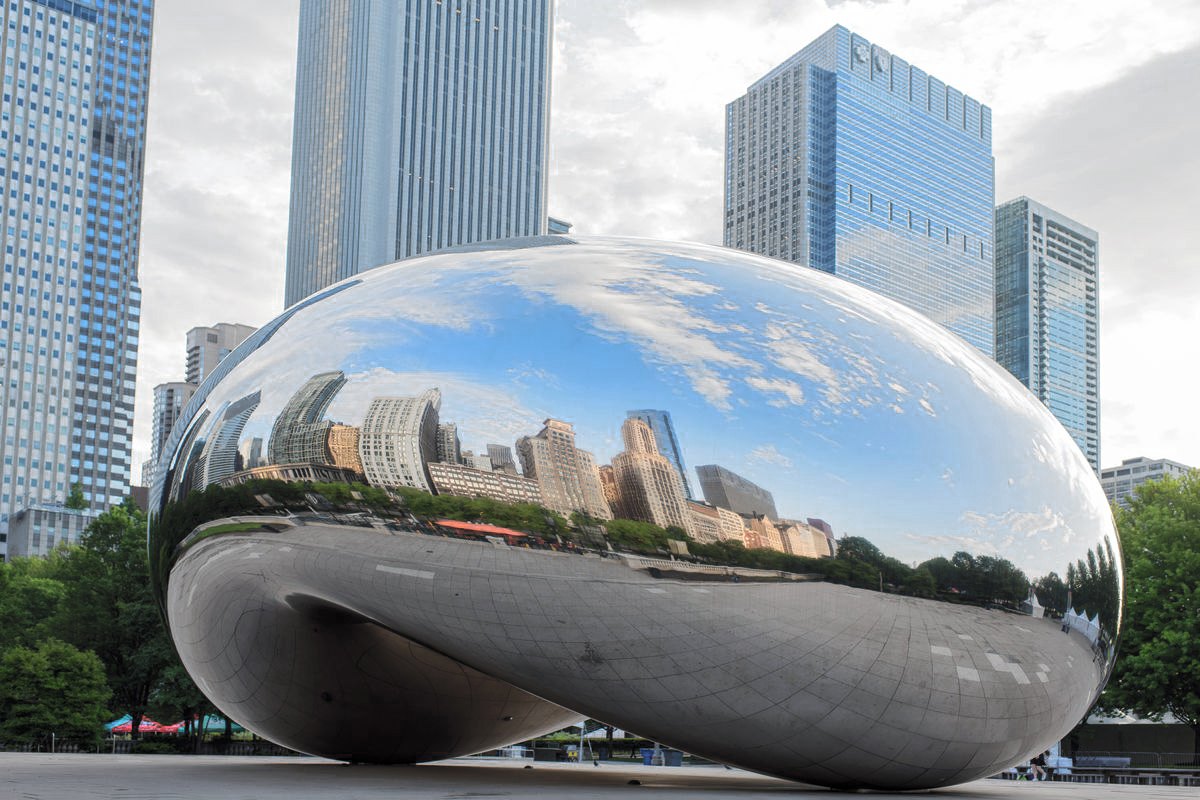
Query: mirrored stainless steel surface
{"type": "Point", "coordinates": [731, 504]}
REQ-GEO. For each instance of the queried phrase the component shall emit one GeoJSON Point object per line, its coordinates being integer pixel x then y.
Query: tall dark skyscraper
{"type": "Point", "coordinates": [72, 143]}
{"type": "Point", "coordinates": [851, 160]}
{"type": "Point", "coordinates": [419, 125]}
{"type": "Point", "coordinates": [1048, 314]}
{"type": "Point", "coordinates": [724, 488]}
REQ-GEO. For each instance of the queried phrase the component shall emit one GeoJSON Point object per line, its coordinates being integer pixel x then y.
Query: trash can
{"type": "Point", "coordinates": [546, 753]}
{"type": "Point", "coordinates": [666, 757]}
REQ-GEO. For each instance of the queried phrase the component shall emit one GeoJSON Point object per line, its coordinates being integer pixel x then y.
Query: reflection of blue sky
{"type": "Point", "coordinates": [845, 406]}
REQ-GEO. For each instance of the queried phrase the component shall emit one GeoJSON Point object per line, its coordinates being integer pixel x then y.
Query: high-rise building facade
{"type": "Point", "coordinates": [398, 440]}
{"type": "Point", "coordinates": [300, 434]}
{"type": "Point", "coordinates": [72, 136]}
{"type": "Point", "coordinates": [724, 488]}
{"type": "Point", "coordinates": [1047, 314]}
{"type": "Point", "coordinates": [668, 443]}
{"type": "Point", "coordinates": [419, 125]}
{"type": "Point", "coordinates": [648, 487]}
{"type": "Point", "coordinates": [169, 402]}
{"type": "Point", "coordinates": [567, 477]}
{"type": "Point", "coordinates": [206, 346]}
{"type": "Point", "coordinates": [1120, 482]}
{"type": "Point", "coordinates": [850, 160]}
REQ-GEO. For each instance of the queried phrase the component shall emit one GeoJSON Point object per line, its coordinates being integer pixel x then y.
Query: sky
{"type": "Point", "coordinates": [1093, 106]}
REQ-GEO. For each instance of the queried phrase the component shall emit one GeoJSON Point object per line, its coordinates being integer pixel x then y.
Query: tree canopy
{"type": "Point", "coordinates": [1158, 669]}
{"type": "Point", "coordinates": [51, 689]}
{"type": "Point", "coordinates": [108, 607]}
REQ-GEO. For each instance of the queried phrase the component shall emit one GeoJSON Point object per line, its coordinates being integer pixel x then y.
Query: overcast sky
{"type": "Point", "coordinates": [1094, 113]}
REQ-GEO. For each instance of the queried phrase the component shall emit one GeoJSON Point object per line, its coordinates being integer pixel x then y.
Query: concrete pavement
{"type": "Point", "coordinates": [40, 776]}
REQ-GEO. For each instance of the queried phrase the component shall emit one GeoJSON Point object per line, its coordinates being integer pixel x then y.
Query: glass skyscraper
{"type": "Point", "coordinates": [851, 160]}
{"type": "Point", "coordinates": [72, 141]}
{"type": "Point", "coordinates": [1047, 314]}
{"type": "Point", "coordinates": [666, 441]}
{"type": "Point", "coordinates": [419, 125]}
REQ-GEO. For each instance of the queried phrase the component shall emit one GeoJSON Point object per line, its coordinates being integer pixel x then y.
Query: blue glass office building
{"type": "Point", "coordinates": [72, 142]}
{"type": "Point", "coordinates": [1048, 316]}
{"type": "Point", "coordinates": [419, 125]}
{"type": "Point", "coordinates": [851, 160]}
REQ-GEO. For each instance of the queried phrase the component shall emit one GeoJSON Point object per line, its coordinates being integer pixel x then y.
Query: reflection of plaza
{"type": "Point", "coordinates": [802, 660]}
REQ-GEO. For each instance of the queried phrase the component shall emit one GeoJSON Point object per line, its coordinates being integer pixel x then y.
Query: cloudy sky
{"type": "Point", "coordinates": [1093, 114]}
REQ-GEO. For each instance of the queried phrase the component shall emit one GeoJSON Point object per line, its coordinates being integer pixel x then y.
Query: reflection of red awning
{"type": "Point", "coordinates": [148, 726]}
{"type": "Point", "coordinates": [478, 527]}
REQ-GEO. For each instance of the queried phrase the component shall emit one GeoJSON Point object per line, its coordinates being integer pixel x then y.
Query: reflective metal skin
{"type": "Point", "coordinates": [331, 585]}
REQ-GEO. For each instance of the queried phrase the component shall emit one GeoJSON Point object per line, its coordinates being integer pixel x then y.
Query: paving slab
{"type": "Point", "coordinates": [43, 776]}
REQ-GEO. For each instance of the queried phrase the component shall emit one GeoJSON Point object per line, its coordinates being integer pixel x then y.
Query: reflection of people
{"type": "Point", "coordinates": [1037, 767]}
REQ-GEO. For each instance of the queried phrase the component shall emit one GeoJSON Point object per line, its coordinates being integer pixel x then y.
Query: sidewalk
{"type": "Point", "coordinates": [41, 776]}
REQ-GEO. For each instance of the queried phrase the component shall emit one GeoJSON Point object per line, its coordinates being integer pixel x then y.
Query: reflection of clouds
{"type": "Point", "coordinates": [768, 454]}
{"type": "Point", "coordinates": [791, 391]}
{"type": "Point", "coordinates": [527, 374]}
{"type": "Point", "coordinates": [484, 412]}
{"type": "Point", "coordinates": [627, 291]}
{"type": "Point", "coordinates": [947, 544]}
{"type": "Point", "coordinates": [1023, 524]}
{"type": "Point", "coordinates": [818, 369]}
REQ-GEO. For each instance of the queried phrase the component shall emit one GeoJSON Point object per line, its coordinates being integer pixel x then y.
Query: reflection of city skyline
{"type": "Point", "coordinates": [407, 444]}
{"type": "Point", "coordinates": [403, 442]}
{"type": "Point", "coordinates": [842, 397]}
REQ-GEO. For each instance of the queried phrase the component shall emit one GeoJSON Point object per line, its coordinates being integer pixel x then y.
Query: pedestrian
{"type": "Point", "coordinates": [1037, 767]}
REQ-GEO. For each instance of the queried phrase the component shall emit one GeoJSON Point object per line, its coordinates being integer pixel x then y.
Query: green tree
{"type": "Point", "coordinates": [641, 537]}
{"type": "Point", "coordinates": [75, 499]}
{"type": "Point", "coordinates": [30, 595]}
{"type": "Point", "coordinates": [1093, 583]}
{"type": "Point", "coordinates": [109, 608]}
{"type": "Point", "coordinates": [176, 697]}
{"type": "Point", "coordinates": [51, 689]}
{"type": "Point", "coordinates": [1158, 669]}
{"type": "Point", "coordinates": [1052, 593]}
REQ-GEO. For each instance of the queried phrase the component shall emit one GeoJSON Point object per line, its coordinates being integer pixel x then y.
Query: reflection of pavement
{"type": "Point", "coordinates": [69, 777]}
{"type": "Point", "coordinates": [810, 680]}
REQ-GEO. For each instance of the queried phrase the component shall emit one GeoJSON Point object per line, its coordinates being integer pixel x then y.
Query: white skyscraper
{"type": "Point", "coordinates": [206, 346]}
{"type": "Point", "coordinates": [398, 439]}
{"type": "Point", "coordinates": [419, 125]}
{"type": "Point", "coordinates": [72, 145]}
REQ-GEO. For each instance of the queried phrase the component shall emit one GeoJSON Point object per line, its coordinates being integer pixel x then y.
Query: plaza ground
{"type": "Point", "coordinates": [42, 776]}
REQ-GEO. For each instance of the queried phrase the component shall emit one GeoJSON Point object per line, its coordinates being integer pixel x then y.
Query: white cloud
{"type": "Point", "coordinates": [768, 454]}
{"type": "Point", "coordinates": [1090, 116]}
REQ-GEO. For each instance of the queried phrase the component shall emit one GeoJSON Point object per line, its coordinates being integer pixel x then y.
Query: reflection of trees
{"type": "Point", "coordinates": [257, 496]}
{"type": "Point", "coordinates": [979, 579]}
{"type": "Point", "coordinates": [1093, 583]}
{"type": "Point", "coordinates": [1052, 594]}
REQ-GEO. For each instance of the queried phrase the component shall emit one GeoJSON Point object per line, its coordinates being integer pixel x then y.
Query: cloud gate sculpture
{"type": "Point", "coordinates": [731, 504]}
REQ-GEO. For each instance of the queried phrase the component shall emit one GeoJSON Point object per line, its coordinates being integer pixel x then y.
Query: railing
{"type": "Point", "coordinates": [1129, 767]}
{"type": "Point", "coordinates": [124, 746]}
{"type": "Point", "coordinates": [1135, 758]}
